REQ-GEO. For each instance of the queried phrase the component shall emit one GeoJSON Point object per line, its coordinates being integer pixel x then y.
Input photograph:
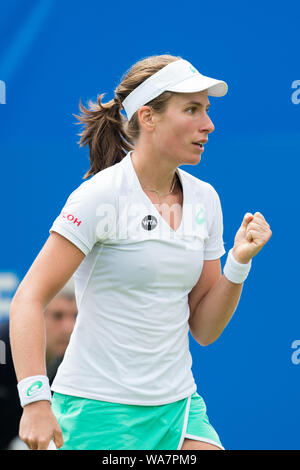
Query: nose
{"type": "Point", "coordinates": [207, 125]}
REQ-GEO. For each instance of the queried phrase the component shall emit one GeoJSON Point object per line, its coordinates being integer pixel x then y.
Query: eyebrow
{"type": "Point", "coordinates": [197, 103]}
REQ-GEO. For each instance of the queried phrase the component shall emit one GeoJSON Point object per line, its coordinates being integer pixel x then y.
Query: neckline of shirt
{"type": "Point", "coordinates": [137, 185]}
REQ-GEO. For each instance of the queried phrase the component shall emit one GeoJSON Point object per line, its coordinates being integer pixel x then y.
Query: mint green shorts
{"type": "Point", "coordinates": [99, 425]}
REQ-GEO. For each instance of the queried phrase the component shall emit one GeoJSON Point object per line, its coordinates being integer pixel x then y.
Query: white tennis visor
{"type": "Point", "coordinates": [179, 76]}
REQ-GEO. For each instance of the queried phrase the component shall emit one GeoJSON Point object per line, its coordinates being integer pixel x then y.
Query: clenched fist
{"type": "Point", "coordinates": [38, 426]}
{"type": "Point", "coordinates": [252, 235]}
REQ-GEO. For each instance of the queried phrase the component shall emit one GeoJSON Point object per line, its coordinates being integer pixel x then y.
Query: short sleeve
{"type": "Point", "coordinates": [214, 244]}
{"type": "Point", "coordinates": [79, 218]}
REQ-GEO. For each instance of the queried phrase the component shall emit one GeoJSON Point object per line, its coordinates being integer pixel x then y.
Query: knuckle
{"type": "Point", "coordinates": [25, 437]}
{"type": "Point", "coordinates": [42, 442]}
{"type": "Point", "coordinates": [30, 442]}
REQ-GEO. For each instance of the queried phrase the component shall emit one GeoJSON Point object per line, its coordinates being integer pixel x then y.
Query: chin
{"type": "Point", "coordinates": [192, 160]}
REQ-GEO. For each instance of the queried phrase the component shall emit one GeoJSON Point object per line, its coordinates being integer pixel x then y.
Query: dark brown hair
{"type": "Point", "coordinates": [109, 135]}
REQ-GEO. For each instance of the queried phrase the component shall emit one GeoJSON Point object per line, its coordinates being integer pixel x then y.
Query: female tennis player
{"type": "Point", "coordinates": [143, 239]}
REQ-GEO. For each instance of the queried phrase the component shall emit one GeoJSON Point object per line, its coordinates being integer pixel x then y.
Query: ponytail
{"type": "Point", "coordinates": [109, 135]}
{"type": "Point", "coordinates": [103, 133]}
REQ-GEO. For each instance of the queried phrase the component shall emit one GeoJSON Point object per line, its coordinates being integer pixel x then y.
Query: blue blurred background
{"type": "Point", "coordinates": [54, 53]}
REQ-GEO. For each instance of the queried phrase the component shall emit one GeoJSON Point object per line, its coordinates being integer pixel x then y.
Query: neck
{"type": "Point", "coordinates": [154, 172]}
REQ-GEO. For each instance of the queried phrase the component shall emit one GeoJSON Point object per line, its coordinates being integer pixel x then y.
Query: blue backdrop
{"type": "Point", "coordinates": [54, 53]}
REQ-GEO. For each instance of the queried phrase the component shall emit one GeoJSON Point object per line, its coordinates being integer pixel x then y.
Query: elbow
{"type": "Point", "coordinates": [13, 305]}
{"type": "Point", "coordinates": [22, 301]}
{"type": "Point", "coordinates": [206, 342]}
{"type": "Point", "coordinates": [18, 297]}
{"type": "Point", "coordinates": [202, 339]}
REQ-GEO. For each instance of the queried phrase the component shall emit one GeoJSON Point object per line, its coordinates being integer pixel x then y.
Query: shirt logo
{"type": "Point", "coordinates": [71, 218]}
{"type": "Point", "coordinates": [199, 217]}
{"type": "Point", "coordinates": [149, 222]}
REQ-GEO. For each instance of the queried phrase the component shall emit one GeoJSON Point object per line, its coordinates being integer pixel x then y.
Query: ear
{"type": "Point", "coordinates": [146, 118]}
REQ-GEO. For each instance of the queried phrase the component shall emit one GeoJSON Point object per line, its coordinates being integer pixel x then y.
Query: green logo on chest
{"type": "Point", "coordinates": [199, 217]}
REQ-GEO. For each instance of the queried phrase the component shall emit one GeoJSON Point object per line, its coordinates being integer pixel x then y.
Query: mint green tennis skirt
{"type": "Point", "coordinates": [99, 425]}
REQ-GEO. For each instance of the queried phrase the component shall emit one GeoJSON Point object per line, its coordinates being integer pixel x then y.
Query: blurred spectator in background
{"type": "Point", "coordinates": [60, 316]}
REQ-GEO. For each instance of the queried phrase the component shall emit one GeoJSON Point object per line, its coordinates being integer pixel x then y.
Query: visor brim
{"type": "Point", "coordinates": [200, 83]}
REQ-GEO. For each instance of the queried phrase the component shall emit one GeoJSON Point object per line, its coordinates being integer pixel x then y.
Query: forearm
{"type": "Point", "coordinates": [27, 338]}
{"type": "Point", "coordinates": [215, 310]}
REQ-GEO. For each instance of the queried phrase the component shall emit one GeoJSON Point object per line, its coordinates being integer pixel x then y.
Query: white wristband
{"type": "Point", "coordinates": [34, 388]}
{"type": "Point", "coordinates": [234, 271]}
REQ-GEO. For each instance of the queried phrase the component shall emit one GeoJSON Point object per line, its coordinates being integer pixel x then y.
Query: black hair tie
{"type": "Point", "coordinates": [118, 99]}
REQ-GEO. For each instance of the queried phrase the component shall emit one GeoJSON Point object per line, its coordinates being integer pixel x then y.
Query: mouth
{"type": "Point", "coordinates": [198, 145]}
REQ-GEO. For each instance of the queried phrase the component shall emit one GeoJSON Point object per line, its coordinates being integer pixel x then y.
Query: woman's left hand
{"type": "Point", "coordinates": [252, 235]}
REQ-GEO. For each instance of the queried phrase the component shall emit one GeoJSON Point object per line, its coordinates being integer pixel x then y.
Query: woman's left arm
{"type": "Point", "coordinates": [214, 299]}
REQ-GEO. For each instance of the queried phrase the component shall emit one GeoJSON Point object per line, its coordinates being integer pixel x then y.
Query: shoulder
{"type": "Point", "coordinates": [103, 186]}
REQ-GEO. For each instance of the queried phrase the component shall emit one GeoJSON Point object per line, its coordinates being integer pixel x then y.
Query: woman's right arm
{"type": "Point", "coordinates": [52, 268]}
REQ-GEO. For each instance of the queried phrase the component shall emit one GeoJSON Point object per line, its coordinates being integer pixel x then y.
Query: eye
{"type": "Point", "coordinates": [194, 107]}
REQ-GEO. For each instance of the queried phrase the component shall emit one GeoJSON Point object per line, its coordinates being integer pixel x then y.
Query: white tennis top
{"type": "Point", "coordinates": [130, 343]}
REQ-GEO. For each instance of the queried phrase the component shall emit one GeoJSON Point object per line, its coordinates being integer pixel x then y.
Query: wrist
{"type": "Point", "coordinates": [235, 271]}
{"type": "Point", "coordinates": [38, 405]}
{"type": "Point", "coordinates": [34, 389]}
{"type": "Point", "coordinates": [238, 258]}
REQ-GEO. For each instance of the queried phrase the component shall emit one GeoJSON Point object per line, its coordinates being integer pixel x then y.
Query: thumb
{"type": "Point", "coordinates": [247, 217]}
{"type": "Point", "coordinates": [58, 438]}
